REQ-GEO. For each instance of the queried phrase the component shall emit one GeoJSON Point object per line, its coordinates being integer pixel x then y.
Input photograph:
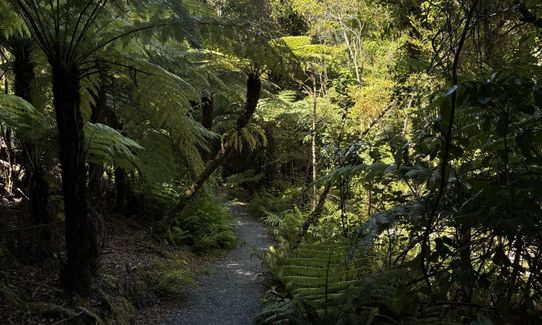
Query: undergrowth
{"type": "Point", "coordinates": [265, 202]}
{"type": "Point", "coordinates": [279, 212]}
{"type": "Point", "coordinates": [327, 283]}
{"type": "Point", "coordinates": [204, 224]}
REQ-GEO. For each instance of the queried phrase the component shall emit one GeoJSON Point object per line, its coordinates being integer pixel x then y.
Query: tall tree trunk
{"type": "Point", "coordinates": [207, 117]}
{"type": "Point", "coordinates": [23, 68]}
{"type": "Point", "coordinates": [314, 216]}
{"type": "Point", "coordinates": [351, 53]}
{"type": "Point", "coordinates": [254, 86]}
{"type": "Point", "coordinates": [122, 190]}
{"type": "Point", "coordinates": [38, 188]}
{"type": "Point", "coordinates": [81, 238]}
{"type": "Point", "coordinates": [122, 185]}
{"type": "Point", "coordinates": [207, 110]}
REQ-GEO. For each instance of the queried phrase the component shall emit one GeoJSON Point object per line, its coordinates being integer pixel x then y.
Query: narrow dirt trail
{"type": "Point", "coordinates": [231, 293]}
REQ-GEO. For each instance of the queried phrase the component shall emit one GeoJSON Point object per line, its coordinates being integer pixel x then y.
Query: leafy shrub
{"type": "Point", "coordinates": [204, 224]}
{"type": "Point", "coordinates": [248, 179]}
{"type": "Point", "coordinates": [264, 202]}
{"type": "Point", "coordinates": [285, 225]}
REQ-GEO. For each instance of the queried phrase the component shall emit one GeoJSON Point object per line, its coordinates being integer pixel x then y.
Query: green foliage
{"type": "Point", "coordinates": [426, 129]}
{"type": "Point", "coordinates": [104, 144]}
{"type": "Point", "coordinates": [173, 280]}
{"type": "Point", "coordinates": [316, 278]}
{"type": "Point", "coordinates": [286, 311]}
{"type": "Point", "coordinates": [107, 145]}
{"type": "Point", "coordinates": [283, 224]}
{"type": "Point", "coordinates": [264, 201]}
{"type": "Point", "coordinates": [11, 25]}
{"type": "Point", "coordinates": [279, 212]}
{"type": "Point", "coordinates": [381, 138]}
{"type": "Point", "coordinates": [30, 124]}
{"type": "Point", "coordinates": [251, 135]}
{"type": "Point", "coordinates": [248, 178]}
{"type": "Point", "coordinates": [171, 276]}
{"type": "Point", "coordinates": [204, 224]}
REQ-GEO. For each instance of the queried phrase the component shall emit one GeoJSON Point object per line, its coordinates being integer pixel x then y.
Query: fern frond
{"type": "Point", "coordinates": [30, 124]}
{"type": "Point", "coordinates": [107, 145]}
{"type": "Point", "coordinates": [11, 24]}
{"type": "Point", "coordinates": [311, 267]}
{"type": "Point", "coordinates": [104, 144]}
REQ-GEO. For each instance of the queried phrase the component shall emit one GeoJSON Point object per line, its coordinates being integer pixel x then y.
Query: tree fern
{"type": "Point", "coordinates": [251, 134]}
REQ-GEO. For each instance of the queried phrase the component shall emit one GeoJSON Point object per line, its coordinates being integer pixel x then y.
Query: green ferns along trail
{"type": "Point", "coordinates": [231, 293]}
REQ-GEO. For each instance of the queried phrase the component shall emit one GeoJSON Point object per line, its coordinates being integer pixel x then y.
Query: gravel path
{"type": "Point", "coordinates": [230, 293]}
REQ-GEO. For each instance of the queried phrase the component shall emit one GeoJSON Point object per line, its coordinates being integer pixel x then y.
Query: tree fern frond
{"type": "Point", "coordinates": [108, 145]}
{"type": "Point", "coordinates": [30, 124]}
{"type": "Point", "coordinates": [11, 25]}
{"type": "Point", "coordinates": [105, 144]}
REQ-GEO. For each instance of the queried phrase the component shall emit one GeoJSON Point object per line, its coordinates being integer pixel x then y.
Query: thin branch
{"type": "Point", "coordinates": [79, 19]}
{"type": "Point", "coordinates": [447, 143]}
{"type": "Point", "coordinates": [35, 30]}
{"type": "Point", "coordinates": [89, 21]}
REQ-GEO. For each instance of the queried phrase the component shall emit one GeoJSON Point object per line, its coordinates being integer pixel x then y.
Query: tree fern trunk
{"type": "Point", "coordinates": [207, 117]}
{"type": "Point", "coordinates": [81, 242]}
{"type": "Point", "coordinates": [122, 190]}
{"type": "Point", "coordinates": [38, 188]}
{"type": "Point", "coordinates": [207, 110]}
{"type": "Point", "coordinates": [23, 68]}
{"type": "Point", "coordinates": [122, 185]}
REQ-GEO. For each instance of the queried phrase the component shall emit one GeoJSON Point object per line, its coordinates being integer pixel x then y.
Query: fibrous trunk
{"type": "Point", "coordinates": [122, 191]}
{"type": "Point", "coordinates": [207, 116]}
{"type": "Point", "coordinates": [207, 110]}
{"type": "Point", "coordinates": [81, 238]}
{"type": "Point", "coordinates": [38, 188]}
{"type": "Point", "coordinates": [122, 185]}
{"type": "Point", "coordinates": [23, 69]}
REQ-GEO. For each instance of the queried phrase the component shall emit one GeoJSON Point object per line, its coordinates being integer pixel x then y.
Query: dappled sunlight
{"type": "Point", "coordinates": [240, 269]}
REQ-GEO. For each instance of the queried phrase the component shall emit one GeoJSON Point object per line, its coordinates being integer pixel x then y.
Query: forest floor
{"type": "Point", "coordinates": [230, 293]}
{"type": "Point", "coordinates": [144, 279]}
{"type": "Point", "coordinates": [137, 272]}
